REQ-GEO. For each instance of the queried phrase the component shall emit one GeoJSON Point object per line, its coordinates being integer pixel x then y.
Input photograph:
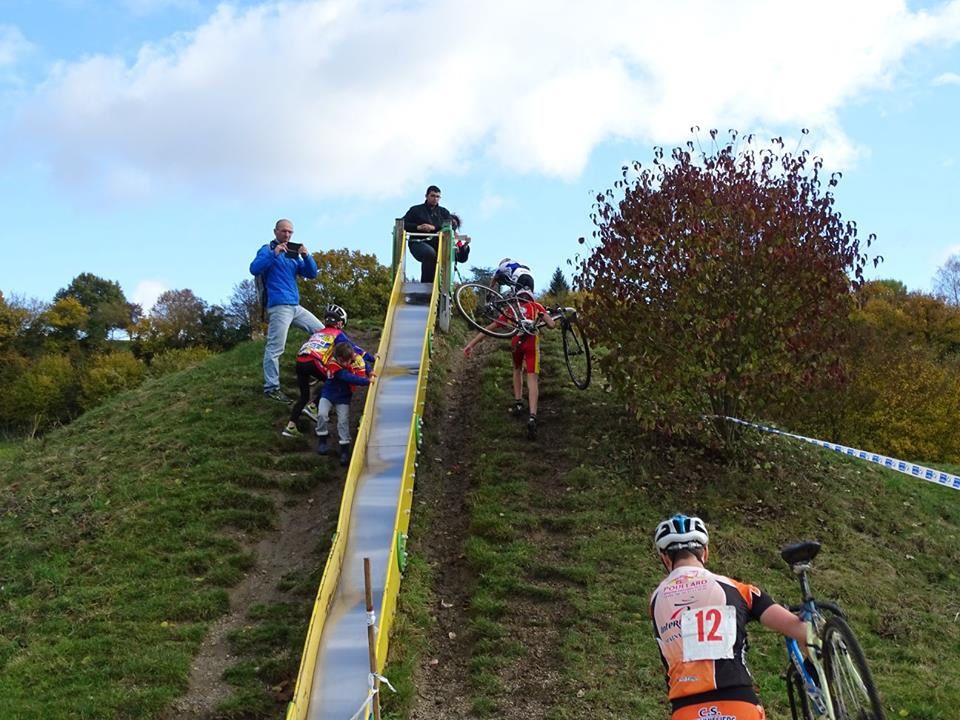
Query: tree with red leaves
{"type": "Point", "coordinates": [721, 283]}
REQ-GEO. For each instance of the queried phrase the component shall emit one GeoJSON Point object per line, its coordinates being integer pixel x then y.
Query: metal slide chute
{"type": "Point", "coordinates": [334, 678]}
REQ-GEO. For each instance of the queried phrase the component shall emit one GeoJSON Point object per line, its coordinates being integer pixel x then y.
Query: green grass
{"type": "Point", "coordinates": [121, 534]}
{"type": "Point", "coordinates": [560, 533]}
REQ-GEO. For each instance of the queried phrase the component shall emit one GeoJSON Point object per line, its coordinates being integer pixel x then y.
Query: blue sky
{"type": "Point", "coordinates": [155, 142]}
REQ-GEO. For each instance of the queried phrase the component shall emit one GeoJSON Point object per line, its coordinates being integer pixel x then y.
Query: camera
{"type": "Point", "coordinates": [293, 250]}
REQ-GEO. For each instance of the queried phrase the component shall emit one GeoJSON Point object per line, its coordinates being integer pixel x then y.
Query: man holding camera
{"type": "Point", "coordinates": [278, 264]}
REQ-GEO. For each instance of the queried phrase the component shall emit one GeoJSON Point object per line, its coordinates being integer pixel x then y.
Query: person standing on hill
{"type": "Point", "coordinates": [699, 621]}
{"type": "Point", "coordinates": [279, 263]}
{"type": "Point", "coordinates": [428, 217]}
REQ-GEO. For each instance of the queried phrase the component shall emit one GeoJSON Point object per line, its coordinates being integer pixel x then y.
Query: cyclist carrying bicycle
{"type": "Point", "coordinates": [699, 621]}
{"type": "Point", "coordinates": [512, 273]}
{"type": "Point", "coordinates": [526, 353]}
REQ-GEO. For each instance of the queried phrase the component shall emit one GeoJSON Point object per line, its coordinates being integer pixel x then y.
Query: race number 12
{"type": "Point", "coordinates": [709, 632]}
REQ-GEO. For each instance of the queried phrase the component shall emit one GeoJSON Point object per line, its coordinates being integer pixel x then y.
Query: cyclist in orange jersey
{"type": "Point", "coordinates": [699, 621]}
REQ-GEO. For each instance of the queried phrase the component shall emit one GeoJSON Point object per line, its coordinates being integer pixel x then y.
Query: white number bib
{"type": "Point", "coordinates": [708, 632]}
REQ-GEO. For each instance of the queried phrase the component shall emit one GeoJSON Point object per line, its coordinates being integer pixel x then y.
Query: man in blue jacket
{"type": "Point", "coordinates": [279, 263]}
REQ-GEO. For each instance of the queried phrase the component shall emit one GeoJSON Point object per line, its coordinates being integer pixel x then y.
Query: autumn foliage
{"type": "Point", "coordinates": [903, 363]}
{"type": "Point", "coordinates": [721, 282]}
{"type": "Point", "coordinates": [354, 280]}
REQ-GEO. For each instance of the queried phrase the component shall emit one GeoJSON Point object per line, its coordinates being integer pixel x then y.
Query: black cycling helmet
{"type": "Point", "coordinates": [525, 282]}
{"type": "Point", "coordinates": [681, 532]}
{"type": "Point", "coordinates": [336, 313]}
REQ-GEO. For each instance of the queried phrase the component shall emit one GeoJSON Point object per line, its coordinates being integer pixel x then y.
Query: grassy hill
{"type": "Point", "coordinates": [158, 557]}
{"type": "Point", "coordinates": [535, 562]}
{"type": "Point", "coordinates": [148, 525]}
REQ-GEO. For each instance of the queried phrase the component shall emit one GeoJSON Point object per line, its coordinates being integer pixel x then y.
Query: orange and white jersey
{"type": "Point", "coordinates": [699, 620]}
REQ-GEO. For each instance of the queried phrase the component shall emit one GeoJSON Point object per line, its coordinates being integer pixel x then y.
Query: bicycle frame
{"type": "Point", "coordinates": [818, 695]}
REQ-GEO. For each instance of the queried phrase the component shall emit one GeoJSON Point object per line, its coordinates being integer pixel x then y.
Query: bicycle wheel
{"type": "Point", "coordinates": [799, 704]}
{"type": "Point", "coordinates": [483, 307]}
{"type": "Point", "coordinates": [576, 353]}
{"type": "Point", "coordinates": [851, 686]}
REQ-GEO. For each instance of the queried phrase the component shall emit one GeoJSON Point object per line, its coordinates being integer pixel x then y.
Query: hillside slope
{"type": "Point", "coordinates": [533, 562]}
{"type": "Point", "coordinates": [159, 557]}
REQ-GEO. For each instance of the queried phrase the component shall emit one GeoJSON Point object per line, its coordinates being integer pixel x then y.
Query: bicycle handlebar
{"type": "Point", "coordinates": [561, 312]}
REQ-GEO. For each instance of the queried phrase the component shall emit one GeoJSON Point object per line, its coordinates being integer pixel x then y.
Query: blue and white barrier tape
{"type": "Point", "coordinates": [924, 473]}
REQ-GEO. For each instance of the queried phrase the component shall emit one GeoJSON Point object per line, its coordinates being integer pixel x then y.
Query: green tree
{"type": "Point", "coordinates": [349, 278]}
{"type": "Point", "coordinates": [67, 319]}
{"type": "Point", "coordinates": [898, 317]}
{"type": "Point", "coordinates": [105, 302]}
{"type": "Point", "coordinates": [219, 330]}
{"type": "Point", "coordinates": [721, 282]}
{"type": "Point", "coordinates": [176, 319]}
{"type": "Point", "coordinates": [12, 321]}
{"type": "Point", "coordinates": [481, 274]}
{"type": "Point", "coordinates": [108, 374]}
{"type": "Point", "coordinates": [43, 395]}
{"type": "Point", "coordinates": [559, 287]}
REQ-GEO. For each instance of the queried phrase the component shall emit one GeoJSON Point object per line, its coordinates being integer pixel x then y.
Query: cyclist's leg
{"type": "Point", "coordinates": [517, 373]}
{"type": "Point", "coordinates": [532, 362]}
{"type": "Point", "coordinates": [732, 709]}
{"type": "Point", "coordinates": [304, 372]}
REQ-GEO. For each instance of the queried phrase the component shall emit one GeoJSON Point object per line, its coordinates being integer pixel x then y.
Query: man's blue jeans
{"type": "Point", "coordinates": [279, 320]}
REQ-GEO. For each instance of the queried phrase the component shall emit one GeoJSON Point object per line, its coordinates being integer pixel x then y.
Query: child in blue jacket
{"type": "Point", "coordinates": [344, 374]}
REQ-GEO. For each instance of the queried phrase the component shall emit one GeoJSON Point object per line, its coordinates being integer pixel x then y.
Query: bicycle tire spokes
{"type": "Point", "coordinates": [487, 310]}
{"type": "Point", "coordinates": [576, 353]}
{"type": "Point", "coordinates": [843, 687]}
{"type": "Point", "coordinates": [852, 691]}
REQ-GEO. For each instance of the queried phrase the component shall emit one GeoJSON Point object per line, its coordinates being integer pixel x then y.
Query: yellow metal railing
{"type": "Point", "coordinates": [405, 501]}
{"type": "Point", "coordinates": [300, 703]}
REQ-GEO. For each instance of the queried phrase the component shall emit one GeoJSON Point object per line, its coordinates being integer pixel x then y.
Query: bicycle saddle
{"type": "Point", "coordinates": [802, 552]}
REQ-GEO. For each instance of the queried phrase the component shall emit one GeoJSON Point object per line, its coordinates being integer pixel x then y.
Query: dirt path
{"type": "Point", "coordinates": [300, 523]}
{"type": "Point", "coordinates": [441, 496]}
{"type": "Point", "coordinates": [304, 525]}
{"type": "Point", "coordinates": [531, 683]}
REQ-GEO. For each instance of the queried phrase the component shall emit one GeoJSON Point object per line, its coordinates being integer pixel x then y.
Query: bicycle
{"type": "Point", "coordinates": [833, 681]}
{"type": "Point", "coordinates": [499, 315]}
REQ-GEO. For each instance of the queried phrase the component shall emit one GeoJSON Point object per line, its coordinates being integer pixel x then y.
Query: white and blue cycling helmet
{"type": "Point", "coordinates": [681, 532]}
{"type": "Point", "coordinates": [336, 313]}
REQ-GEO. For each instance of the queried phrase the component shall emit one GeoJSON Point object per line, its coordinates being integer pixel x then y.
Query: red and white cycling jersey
{"type": "Point", "coordinates": [699, 620]}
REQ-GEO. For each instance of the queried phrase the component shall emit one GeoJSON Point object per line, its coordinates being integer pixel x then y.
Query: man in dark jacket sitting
{"type": "Point", "coordinates": [426, 218]}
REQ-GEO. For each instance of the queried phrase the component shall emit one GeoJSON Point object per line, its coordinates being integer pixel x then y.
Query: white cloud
{"type": "Point", "coordinates": [366, 96]}
{"type": "Point", "coordinates": [490, 203]}
{"type": "Point", "coordinates": [946, 253]}
{"type": "Point", "coordinates": [948, 78]}
{"type": "Point", "coordinates": [146, 292]}
{"type": "Point", "coordinates": [13, 45]}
